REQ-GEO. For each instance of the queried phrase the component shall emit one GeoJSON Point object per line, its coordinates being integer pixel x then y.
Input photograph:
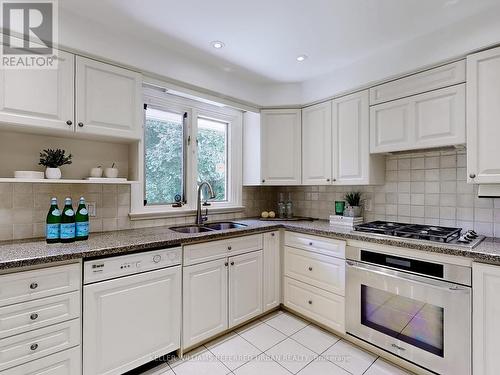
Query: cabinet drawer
{"type": "Point", "coordinates": [240, 245]}
{"type": "Point", "coordinates": [317, 244]}
{"type": "Point", "coordinates": [67, 362]}
{"type": "Point", "coordinates": [323, 271]}
{"type": "Point", "coordinates": [317, 304]}
{"type": "Point", "coordinates": [207, 251]}
{"type": "Point", "coordinates": [45, 282]}
{"type": "Point", "coordinates": [442, 76]}
{"type": "Point", "coordinates": [23, 317]}
{"type": "Point", "coordinates": [32, 345]}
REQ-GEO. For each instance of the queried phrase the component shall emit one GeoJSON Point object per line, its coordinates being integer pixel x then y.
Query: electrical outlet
{"type": "Point", "coordinates": [91, 208]}
{"type": "Point", "coordinates": [368, 205]}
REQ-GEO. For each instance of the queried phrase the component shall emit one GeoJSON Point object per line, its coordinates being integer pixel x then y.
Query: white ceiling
{"type": "Point", "coordinates": [263, 37]}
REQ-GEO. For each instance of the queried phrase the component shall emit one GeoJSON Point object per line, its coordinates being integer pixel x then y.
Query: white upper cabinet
{"type": "Point", "coordinates": [351, 159]}
{"type": "Point", "coordinates": [281, 147]}
{"type": "Point", "coordinates": [40, 100]}
{"type": "Point", "coordinates": [432, 79]}
{"type": "Point", "coordinates": [317, 144]}
{"type": "Point", "coordinates": [483, 114]}
{"type": "Point", "coordinates": [432, 119]}
{"type": "Point", "coordinates": [108, 100]}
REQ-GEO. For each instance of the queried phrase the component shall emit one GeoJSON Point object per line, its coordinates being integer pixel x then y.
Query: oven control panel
{"type": "Point", "coordinates": [124, 265]}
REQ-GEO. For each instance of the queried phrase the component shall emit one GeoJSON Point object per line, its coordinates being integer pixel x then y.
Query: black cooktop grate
{"type": "Point", "coordinates": [417, 231]}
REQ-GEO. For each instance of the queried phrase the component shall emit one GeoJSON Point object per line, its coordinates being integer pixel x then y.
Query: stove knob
{"type": "Point", "coordinates": [156, 258]}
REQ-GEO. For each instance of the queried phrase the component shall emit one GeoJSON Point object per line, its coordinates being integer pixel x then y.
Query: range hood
{"type": "Point", "coordinates": [489, 191]}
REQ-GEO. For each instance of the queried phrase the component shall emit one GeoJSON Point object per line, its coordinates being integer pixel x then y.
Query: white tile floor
{"type": "Point", "coordinates": [278, 344]}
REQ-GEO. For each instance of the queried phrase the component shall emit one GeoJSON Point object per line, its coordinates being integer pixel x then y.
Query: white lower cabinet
{"type": "Point", "coordinates": [485, 319]}
{"type": "Point", "coordinates": [314, 278]}
{"type": "Point", "coordinates": [226, 292]}
{"type": "Point", "coordinates": [245, 287]}
{"type": "Point", "coordinates": [272, 271]}
{"type": "Point", "coordinates": [204, 301]}
{"type": "Point", "coordinates": [315, 303]}
{"type": "Point", "coordinates": [67, 362]}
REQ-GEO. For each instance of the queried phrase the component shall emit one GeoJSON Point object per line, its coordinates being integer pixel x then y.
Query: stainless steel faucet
{"type": "Point", "coordinates": [199, 218]}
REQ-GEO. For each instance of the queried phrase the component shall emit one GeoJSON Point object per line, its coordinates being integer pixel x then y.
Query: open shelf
{"type": "Point", "coordinates": [64, 181]}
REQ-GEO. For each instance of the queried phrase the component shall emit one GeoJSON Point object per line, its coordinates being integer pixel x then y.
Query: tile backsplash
{"type": "Point", "coordinates": [422, 187]}
{"type": "Point", "coordinates": [24, 207]}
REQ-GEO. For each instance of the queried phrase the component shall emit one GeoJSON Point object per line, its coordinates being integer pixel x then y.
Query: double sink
{"type": "Point", "coordinates": [210, 227]}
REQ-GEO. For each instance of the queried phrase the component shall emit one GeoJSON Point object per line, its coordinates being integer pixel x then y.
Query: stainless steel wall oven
{"type": "Point", "coordinates": [418, 310]}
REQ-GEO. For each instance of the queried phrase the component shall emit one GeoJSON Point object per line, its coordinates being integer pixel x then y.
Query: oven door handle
{"type": "Point", "coordinates": [424, 281]}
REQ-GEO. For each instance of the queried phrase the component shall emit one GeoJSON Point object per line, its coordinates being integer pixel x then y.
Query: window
{"type": "Point", "coordinates": [212, 155]}
{"type": "Point", "coordinates": [164, 156]}
{"type": "Point", "coordinates": [186, 142]}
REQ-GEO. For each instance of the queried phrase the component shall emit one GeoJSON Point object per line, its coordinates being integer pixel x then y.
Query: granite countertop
{"type": "Point", "coordinates": [31, 252]}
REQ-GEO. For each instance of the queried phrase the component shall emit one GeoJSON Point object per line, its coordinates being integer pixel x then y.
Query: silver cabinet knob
{"type": "Point", "coordinates": [310, 268]}
{"type": "Point", "coordinates": [34, 316]}
{"type": "Point", "coordinates": [34, 346]}
{"type": "Point", "coordinates": [263, 181]}
{"type": "Point", "coordinates": [229, 247]}
{"type": "Point", "coordinates": [69, 122]}
{"type": "Point", "coordinates": [472, 175]}
{"type": "Point", "coordinates": [226, 264]}
{"type": "Point", "coordinates": [310, 243]}
{"type": "Point", "coordinates": [33, 285]}
{"type": "Point", "coordinates": [232, 263]}
{"type": "Point", "coordinates": [80, 124]}
{"type": "Point", "coordinates": [327, 180]}
{"type": "Point", "coordinates": [310, 302]}
{"type": "Point", "coordinates": [334, 179]}
{"type": "Point", "coordinates": [272, 234]}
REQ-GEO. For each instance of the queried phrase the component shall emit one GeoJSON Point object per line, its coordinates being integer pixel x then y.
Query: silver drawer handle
{"type": "Point", "coordinates": [34, 347]}
{"type": "Point", "coordinates": [34, 316]}
{"type": "Point", "coordinates": [33, 285]}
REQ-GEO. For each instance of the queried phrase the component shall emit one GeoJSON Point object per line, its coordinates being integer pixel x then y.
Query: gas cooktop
{"type": "Point", "coordinates": [433, 233]}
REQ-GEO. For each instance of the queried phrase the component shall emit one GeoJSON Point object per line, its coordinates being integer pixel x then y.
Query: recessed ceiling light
{"type": "Point", "coordinates": [217, 44]}
{"type": "Point", "coordinates": [301, 58]}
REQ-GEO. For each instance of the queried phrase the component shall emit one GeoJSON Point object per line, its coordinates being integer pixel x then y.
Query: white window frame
{"type": "Point", "coordinates": [158, 99]}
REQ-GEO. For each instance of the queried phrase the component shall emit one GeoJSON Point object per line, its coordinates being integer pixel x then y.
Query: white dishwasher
{"type": "Point", "coordinates": [131, 310]}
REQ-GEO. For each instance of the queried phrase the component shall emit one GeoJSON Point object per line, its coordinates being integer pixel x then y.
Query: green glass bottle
{"type": "Point", "coordinates": [68, 222]}
{"type": "Point", "coordinates": [53, 223]}
{"type": "Point", "coordinates": [82, 221]}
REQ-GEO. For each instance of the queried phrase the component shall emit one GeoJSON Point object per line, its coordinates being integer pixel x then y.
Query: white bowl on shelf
{"type": "Point", "coordinates": [33, 175]}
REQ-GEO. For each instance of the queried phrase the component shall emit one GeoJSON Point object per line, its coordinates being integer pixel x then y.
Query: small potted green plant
{"type": "Point", "coordinates": [52, 160]}
{"type": "Point", "coordinates": [353, 208]}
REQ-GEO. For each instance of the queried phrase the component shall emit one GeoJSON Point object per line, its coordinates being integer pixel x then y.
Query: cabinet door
{"type": "Point", "coordinates": [204, 301]}
{"type": "Point", "coordinates": [108, 100]}
{"type": "Point", "coordinates": [41, 100]}
{"type": "Point", "coordinates": [281, 147]}
{"type": "Point", "coordinates": [483, 114]}
{"type": "Point", "coordinates": [390, 126]}
{"type": "Point", "coordinates": [485, 325]}
{"type": "Point", "coordinates": [317, 144]}
{"type": "Point", "coordinates": [272, 270]}
{"type": "Point", "coordinates": [245, 287]}
{"type": "Point", "coordinates": [352, 162]}
{"type": "Point", "coordinates": [440, 117]}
